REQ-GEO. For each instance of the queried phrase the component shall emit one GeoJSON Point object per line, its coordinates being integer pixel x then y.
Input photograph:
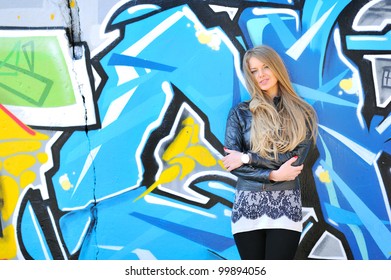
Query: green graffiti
{"type": "Point", "coordinates": [34, 73]}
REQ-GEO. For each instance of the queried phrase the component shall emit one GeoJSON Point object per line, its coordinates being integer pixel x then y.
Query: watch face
{"type": "Point", "coordinates": [245, 158]}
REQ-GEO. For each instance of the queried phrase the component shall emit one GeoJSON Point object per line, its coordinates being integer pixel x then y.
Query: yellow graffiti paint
{"type": "Point", "coordinates": [167, 175]}
{"type": "Point", "coordinates": [346, 84]}
{"type": "Point", "coordinates": [188, 134]}
{"type": "Point", "coordinates": [179, 145]}
{"type": "Point", "coordinates": [27, 178]}
{"type": "Point", "coordinates": [204, 38]}
{"type": "Point", "coordinates": [187, 165]}
{"type": "Point", "coordinates": [8, 244]}
{"type": "Point", "coordinates": [324, 177]}
{"type": "Point", "coordinates": [72, 3]}
{"type": "Point", "coordinates": [16, 164]}
{"type": "Point", "coordinates": [51, 16]}
{"type": "Point", "coordinates": [20, 154]}
{"type": "Point", "coordinates": [12, 130]}
{"type": "Point", "coordinates": [209, 38]}
{"type": "Point", "coordinates": [196, 131]}
{"type": "Point", "coordinates": [201, 155]}
{"type": "Point", "coordinates": [15, 147]}
{"type": "Point", "coordinates": [183, 155]}
{"type": "Point", "coordinates": [42, 157]}
{"type": "Point", "coordinates": [65, 183]}
{"type": "Point", "coordinates": [10, 192]}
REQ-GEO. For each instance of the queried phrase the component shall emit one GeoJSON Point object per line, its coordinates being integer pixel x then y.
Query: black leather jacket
{"type": "Point", "coordinates": [254, 176]}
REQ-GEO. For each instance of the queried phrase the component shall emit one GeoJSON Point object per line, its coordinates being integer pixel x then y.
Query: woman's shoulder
{"type": "Point", "coordinates": [244, 105]}
{"type": "Point", "coordinates": [241, 110]}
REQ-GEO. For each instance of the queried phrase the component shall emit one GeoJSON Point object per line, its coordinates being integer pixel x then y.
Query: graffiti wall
{"type": "Point", "coordinates": [112, 120]}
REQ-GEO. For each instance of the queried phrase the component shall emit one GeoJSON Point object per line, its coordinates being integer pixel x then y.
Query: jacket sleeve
{"type": "Point", "coordinates": [301, 151]}
{"type": "Point", "coordinates": [234, 140]}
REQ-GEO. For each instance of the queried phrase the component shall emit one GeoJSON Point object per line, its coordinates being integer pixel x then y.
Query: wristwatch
{"type": "Point", "coordinates": [245, 158]}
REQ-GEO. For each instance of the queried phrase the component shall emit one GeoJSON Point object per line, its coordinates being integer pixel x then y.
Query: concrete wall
{"type": "Point", "coordinates": [112, 119]}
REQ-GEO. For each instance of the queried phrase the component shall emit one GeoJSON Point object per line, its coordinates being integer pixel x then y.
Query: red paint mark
{"type": "Point", "coordinates": [22, 125]}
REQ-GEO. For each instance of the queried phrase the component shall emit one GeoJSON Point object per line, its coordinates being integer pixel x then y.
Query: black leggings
{"type": "Point", "coordinates": [267, 244]}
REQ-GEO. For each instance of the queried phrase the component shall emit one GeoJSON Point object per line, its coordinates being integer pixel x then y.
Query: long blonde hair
{"type": "Point", "coordinates": [276, 129]}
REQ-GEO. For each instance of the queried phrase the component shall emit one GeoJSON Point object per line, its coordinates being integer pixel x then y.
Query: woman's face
{"type": "Point", "coordinates": [264, 76]}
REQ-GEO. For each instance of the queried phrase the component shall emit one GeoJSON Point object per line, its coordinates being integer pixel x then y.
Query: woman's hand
{"type": "Point", "coordinates": [232, 160]}
{"type": "Point", "coordinates": [286, 172]}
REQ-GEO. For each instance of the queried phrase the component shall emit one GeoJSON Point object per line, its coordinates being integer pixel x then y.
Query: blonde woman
{"type": "Point", "coordinates": [266, 142]}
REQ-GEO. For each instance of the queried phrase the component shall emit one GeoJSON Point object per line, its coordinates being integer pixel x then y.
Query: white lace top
{"type": "Point", "coordinates": [266, 209]}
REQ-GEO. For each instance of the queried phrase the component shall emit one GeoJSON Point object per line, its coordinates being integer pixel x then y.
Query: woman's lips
{"type": "Point", "coordinates": [263, 82]}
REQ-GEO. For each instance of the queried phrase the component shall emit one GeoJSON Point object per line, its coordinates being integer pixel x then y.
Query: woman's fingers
{"type": "Point", "coordinates": [232, 160]}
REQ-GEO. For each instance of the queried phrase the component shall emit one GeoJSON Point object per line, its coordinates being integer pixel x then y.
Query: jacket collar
{"type": "Point", "coordinates": [276, 100]}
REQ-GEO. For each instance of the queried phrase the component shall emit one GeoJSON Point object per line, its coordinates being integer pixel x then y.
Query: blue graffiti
{"type": "Point", "coordinates": [168, 57]}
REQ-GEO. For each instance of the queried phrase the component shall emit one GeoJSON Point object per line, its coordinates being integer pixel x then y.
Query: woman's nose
{"type": "Point", "coordinates": [260, 72]}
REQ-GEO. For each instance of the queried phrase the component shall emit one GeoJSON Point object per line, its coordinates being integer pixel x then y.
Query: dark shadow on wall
{"type": "Point", "coordinates": [310, 199]}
